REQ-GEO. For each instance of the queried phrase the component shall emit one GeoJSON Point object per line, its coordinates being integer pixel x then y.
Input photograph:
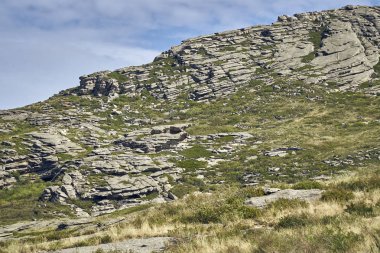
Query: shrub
{"type": "Point", "coordinates": [292, 221]}
{"type": "Point", "coordinates": [326, 220]}
{"type": "Point", "coordinates": [362, 184]}
{"type": "Point", "coordinates": [181, 190]}
{"type": "Point", "coordinates": [307, 185]}
{"type": "Point", "coordinates": [247, 212]}
{"type": "Point", "coordinates": [337, 240]}
{"type": "Point", "coordinates": [218, 210]}
{"type": "Point", "coordinates": [307, 58]}
{"type": "Point", "coordinates": [193, 181]}
{"type": "Point", "coordinates": [105, 239]}
{"type": "Point", "coordinates": [361, 209]}
{"type": "Point", "coordinates": [316, 38]}
{"type": "Point", "coordinates": [249, 192]}
{"type": "Point", "coordinates": [205, 215]}
{"type": "Point", "coordinates": [337, 194]}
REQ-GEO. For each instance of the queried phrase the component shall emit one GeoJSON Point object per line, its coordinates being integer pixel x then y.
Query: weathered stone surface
{"type": "Point", "coordinates": [216, 65]}
{"type": "Point", "coordinates": [155, 140]}
{"type": "Point", "coordinates": [276, 194]}
{"type": "Point", "coordinates": [52, 143]}
{"type": "Point", "coordinates": [342, 56]}
{"type": "Point", "coordinates": [6, 179]}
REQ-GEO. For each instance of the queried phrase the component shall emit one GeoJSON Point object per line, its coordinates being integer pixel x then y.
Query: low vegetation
{"type": "Point", "coordinates": [20, 203]}
{"type": "Point", "coordinates": [218, 221]}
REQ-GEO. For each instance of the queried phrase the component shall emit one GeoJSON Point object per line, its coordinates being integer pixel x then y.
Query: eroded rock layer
{"type": "Point", "coordinates": [338, 46]}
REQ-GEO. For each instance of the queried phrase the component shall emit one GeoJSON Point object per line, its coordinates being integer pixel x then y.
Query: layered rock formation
{"type": "Point", "coordinates": [338, 46]}
{"type": "Point", "coordinates": [141, 135]}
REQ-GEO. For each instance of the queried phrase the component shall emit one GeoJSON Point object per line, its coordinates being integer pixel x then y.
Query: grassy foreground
{"type": "Point", "coordinates": [346, 219]}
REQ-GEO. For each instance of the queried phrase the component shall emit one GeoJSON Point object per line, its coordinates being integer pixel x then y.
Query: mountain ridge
{"type": "Point", "coordinates": [203, 69]}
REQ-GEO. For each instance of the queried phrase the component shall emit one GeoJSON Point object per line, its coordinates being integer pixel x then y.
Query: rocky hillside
{"type": "Point", "coordinates": [338, 47]}
{"type": "Point", "coordinates": [285, 102]}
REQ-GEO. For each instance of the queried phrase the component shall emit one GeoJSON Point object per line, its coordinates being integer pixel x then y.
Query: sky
{"type": "Point", "coordinates": [45, 45]}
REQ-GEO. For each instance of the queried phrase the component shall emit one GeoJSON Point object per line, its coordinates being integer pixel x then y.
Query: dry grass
{"type": "Point", "coordinates": [295, 227]}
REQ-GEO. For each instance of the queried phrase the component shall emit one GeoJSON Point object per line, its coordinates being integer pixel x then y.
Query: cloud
{"type": "Point", "coordinates": [42, 68]}
{"type": "Point", "coordinates": [47, 44]}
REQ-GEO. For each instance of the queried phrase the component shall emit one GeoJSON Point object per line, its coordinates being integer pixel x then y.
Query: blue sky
{"type": "Point", "coordinates": [45, 45]}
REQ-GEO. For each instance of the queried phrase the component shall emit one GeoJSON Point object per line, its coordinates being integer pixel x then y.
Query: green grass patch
{"type": "Point", "coordinates": [191, 164]}
{"type": "Point", "coordinates": [151, 196]}
{"type": "Point", "coordinates": [197, 151]}
{"type": "Point", "coordinates": [307, 185]}
{"type": "Point", "coordinates": [180, 190]}
{"type": "Point", "coordinates": [361, 209]}
{"type": "Point", "coordinates": [20, 203]}
{"type": "Point", "coordinates": [219, 211]}
{"type": "Point", "coordinates": [365, 183]}
{"type": "Point", "coordinates": [293, 221]}
{"type": "Point", "coordinates": [337, 194]}
{"type": "Point", "coordinates": [283, 204]}
{"type": "Point", "coordinates": [306, 59]}
{"type": "Point", "coordinates": [119, 77]}
{"type": "Point", "coordinates": [315, 37]}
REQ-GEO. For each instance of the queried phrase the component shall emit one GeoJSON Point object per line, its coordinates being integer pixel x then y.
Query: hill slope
{"type": "Point", "coordinates": [259, 106]}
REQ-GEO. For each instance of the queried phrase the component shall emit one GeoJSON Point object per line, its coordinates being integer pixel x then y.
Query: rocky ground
{"type": "Point", "coordinates": [295, 100]}
{"type": "Point", "coordinates": [155, 244]}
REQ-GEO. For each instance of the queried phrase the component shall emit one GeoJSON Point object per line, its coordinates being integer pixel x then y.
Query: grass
{"type": "Point", "coordinates": [361, 209]}
{"type": "Point", "coordinates": [306, 185]}
{"type": "Point", "coordinates": [197, 151]}
{"type": "Point", "coordinates": [294, 221]}
{"type": "Point", "coordinates": [119, 77]}
{"type": "Point", "coordinates": [229, 48]}
{"type": "Point", "coordinates": [371, 83]}
{"type": "Point", "coordinates": [315, 37]}
{"type": "Point", "coordinates": [306, 59]}
{"type": "Point", "coordinates": [376, 68]}
{"type": "Point", "coordinates": [218, 221]}
{"type": "Point", "coordinates": [337, 194]}
{"type": "Point", "coordinates": [20, 203]}
{"type": "Point", "coordinates": [150, 196]}
{"type": "Point", "coordinates": [83, 204]}
{"type": "Point", "coordinates": [191, 164]}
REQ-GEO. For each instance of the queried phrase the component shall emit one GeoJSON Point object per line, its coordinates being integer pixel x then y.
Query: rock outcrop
{"type": "Point", "coordinates": [151, 133]}
{"type": "Point", "coordinates": [275, 194]}
{"type": "Point", "coordinates": [338, 46]}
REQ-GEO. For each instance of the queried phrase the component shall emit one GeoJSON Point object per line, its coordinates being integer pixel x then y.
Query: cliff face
{"type": "Point", "coordinates": [282, 102]}
{"type": "Point", "coordinates": [337, 47]}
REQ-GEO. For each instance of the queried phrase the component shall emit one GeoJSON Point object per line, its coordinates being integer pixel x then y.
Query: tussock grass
{"type": "Point", "coordinates": [219, 222]}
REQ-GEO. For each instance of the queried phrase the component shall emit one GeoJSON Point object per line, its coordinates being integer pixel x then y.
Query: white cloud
{"type": "Point", "coordinates": [33, 71]}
